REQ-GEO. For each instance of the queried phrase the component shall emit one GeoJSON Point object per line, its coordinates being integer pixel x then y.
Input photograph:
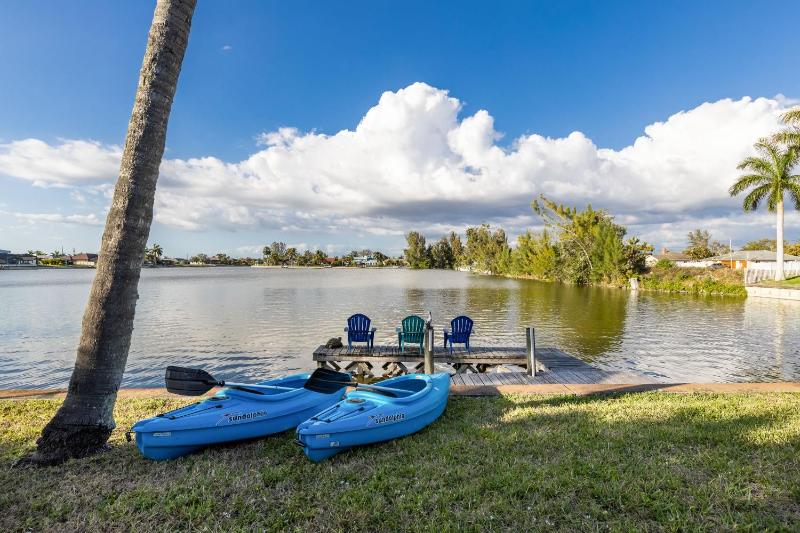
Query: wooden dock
{"type": "Point", "coordinates": [485, 369]}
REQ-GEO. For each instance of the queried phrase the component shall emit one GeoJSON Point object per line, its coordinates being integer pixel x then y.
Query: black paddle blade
{"type": "Point", "coordinates": [188, 381]}
{"type": "Point", "coordinates": [327, 381]}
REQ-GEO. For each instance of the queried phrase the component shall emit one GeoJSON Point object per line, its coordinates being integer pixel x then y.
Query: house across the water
{"type": "Point", "coordinates": [755, 259]}
{"type": "Point", "coordinates": [9, 260]}
{"type": "Point", "coordinates": [679, 259]}
{"type": "Point", "coordinates": [84, 259]}
{"type": "Point", "coordinates": [365, 260]}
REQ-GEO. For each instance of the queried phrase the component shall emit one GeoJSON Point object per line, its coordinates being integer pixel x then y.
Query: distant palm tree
{"type": "Point", "coordinates": [769, 177]}
{"type": "Point", "coordinates": [291, 256]}
{"type": "Point", "coordinates": [153, 255]}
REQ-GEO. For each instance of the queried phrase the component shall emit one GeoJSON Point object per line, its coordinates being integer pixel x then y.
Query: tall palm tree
{"type": "Point", "coordinates": [768, 178]}
{"type": "Point", "coordinates": [85, 420]}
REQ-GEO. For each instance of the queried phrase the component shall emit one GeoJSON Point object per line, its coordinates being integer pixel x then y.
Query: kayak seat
{"type": "Point", "coordinates": [411, 385]}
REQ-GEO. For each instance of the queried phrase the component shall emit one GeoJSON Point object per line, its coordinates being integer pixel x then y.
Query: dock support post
{"type": "Point", "coordinates": [428, 349]}
{"type": "Point", "coordinates": [530, 344]}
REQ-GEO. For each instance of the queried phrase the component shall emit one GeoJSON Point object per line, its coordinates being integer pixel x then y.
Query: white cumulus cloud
{"type": "Point", "coordinates": [84, 220]}
{"type": "Point", "coordinates": [69, 162]}
{"type": "Point", "coordinates": [414, 161]}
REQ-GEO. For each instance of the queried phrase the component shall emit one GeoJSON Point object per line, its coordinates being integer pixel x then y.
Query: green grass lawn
{"type": "Point", "coordinates": [649, 461]}
{"type": "Point", "coordinates": [791, 283]}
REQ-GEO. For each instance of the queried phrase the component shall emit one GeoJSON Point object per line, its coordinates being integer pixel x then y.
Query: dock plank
{"type": "Point", "coordinates": [498, 377]}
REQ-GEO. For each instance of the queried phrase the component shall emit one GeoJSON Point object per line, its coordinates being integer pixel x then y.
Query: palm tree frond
{"type": "Point", "coordinates": [755, 197]}
{"type": "Point", "coordinates": [756, 164]}
{"type": "Point", "coordinates": [769, 178]}
{"type": "Point", "coordinates": [775, 196]}
{"type": "Point", "coordinates": [772, 149]}
{"type": "Point", "coordinates": [787, 137]}
{"type": "Point", "coordinates": [765, 146]}
{"type": "Point", "coordinates": [794, 192]}
{"type": "Point", "coordinates": [792, 117]}
{"type": "Point", "coordinates": [747, 181]}
{"type": "Point", "coordinates": [790, 157]}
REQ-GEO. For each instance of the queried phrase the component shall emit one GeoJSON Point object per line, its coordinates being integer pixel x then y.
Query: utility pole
{"type": "Point", "coordinates": [730, 258]}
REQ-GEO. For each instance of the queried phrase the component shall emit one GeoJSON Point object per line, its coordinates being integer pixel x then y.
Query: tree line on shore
{"type": "Point", "coordinates": [488, 249]}
{"type": "Point", "coordinates": [278, 254]}
{"type": "Point", "coordinates": [576, 246]}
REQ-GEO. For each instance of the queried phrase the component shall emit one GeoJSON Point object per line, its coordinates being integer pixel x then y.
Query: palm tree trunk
{"type": "Point", "coordinates": [85, 420]}
{"type": "Point", "coordinates": [779, 275]}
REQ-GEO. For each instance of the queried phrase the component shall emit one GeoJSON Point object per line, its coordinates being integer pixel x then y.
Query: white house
{"type": "Point", "coordinates": [679, 259]}
{"type": "Point", "coordinates": [365, 260]}
{"type": "Point", "coordinates": [84, 259]}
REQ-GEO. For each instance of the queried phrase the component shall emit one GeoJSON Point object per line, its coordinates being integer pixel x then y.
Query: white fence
{"type": "Point", "coordinates": [772, 266]}
{"type": "Point", "coordinates": [760, 271]}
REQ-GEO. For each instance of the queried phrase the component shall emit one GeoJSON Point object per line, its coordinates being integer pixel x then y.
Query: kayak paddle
{"type": "Point", "coordinates": [328, 381]}
{"type": "Point", "coordinates": [195, 381]}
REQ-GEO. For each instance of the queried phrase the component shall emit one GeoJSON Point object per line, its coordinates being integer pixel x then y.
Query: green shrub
{"type": "Point", "coordinates": [694, 281]}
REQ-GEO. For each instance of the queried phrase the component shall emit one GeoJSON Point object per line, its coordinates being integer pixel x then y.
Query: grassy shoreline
{"type": "Point", "coordinates": [790, 283]}
{"type": "Point", "coordinates": [722, 282]}
{"type": "Point", "coordinates": [636, 461]}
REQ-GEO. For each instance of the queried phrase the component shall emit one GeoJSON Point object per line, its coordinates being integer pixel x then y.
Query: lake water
{"type": "Point", "coordinates": [243, 323]}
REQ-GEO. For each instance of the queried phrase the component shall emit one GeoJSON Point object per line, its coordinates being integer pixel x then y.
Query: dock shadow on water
{"type": "Point", "coordinates": [630, 461]}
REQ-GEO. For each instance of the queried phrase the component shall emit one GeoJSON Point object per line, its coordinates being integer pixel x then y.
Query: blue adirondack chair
{"type": "Point", "coordinates": [358, 330]}
{"type": "Point", "coordinates": [459, 332]}
{"type": "Point", "coordinates": [411, 331]}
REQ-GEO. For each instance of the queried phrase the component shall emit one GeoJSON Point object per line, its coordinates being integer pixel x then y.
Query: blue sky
{"type": "Point", "coordinates": [605, 69]}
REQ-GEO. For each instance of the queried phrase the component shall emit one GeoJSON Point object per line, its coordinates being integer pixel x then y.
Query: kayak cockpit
{"type": "Point", "coordinates": [261, 391]}
{"type": "Point", "coordinates": [416, 386]}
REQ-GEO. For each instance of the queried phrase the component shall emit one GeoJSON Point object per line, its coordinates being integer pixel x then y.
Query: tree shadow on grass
{"type": "Point", "coordinates": [629, 461]}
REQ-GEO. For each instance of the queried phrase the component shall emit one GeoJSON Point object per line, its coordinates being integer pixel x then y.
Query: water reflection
{"type": "Point", "coordinates": [781, 350]}
{"type": "Point", "coordinates": [246, 323]}
{"type": "Point", "coordinates": [585, 321]}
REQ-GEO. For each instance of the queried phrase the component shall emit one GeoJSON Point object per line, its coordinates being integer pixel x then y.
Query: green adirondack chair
{"type": "Point", "coordinates": [411, 331]}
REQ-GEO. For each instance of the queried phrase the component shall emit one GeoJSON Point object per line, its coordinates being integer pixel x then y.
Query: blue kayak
{"type": "Point", "coordinates": [366, 417]}
{"type": "Point", "coordinates": [231, 415]}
